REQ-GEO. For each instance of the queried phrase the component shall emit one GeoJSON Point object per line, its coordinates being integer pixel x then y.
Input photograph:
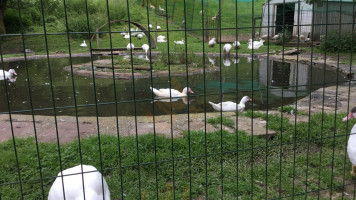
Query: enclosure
{"type": "Point", "coordinates": [263, 111]}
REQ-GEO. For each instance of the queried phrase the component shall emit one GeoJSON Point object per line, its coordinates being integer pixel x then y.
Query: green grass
{"type": "Point", "coordinates": [288, 109]}
{"type": "Point", "coordinates": [59, 43]}
{"type": "Point", "coordinates": [286, 164]}
{"type": "Point", "coordinates": [217, 121]}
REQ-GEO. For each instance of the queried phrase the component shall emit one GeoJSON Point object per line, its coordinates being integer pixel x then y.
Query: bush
{"type": "Point", "coordinates": [345, 41]}
{"type": "Point", "coordinates": [13, 22]}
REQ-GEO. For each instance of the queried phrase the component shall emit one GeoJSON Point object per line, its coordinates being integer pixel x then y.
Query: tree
{"type": "Point", "coordinates": [2, 12]}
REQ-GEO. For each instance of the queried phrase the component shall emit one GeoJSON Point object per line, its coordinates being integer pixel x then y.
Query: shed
{"type": "Point", "coordinates": [294, 14]}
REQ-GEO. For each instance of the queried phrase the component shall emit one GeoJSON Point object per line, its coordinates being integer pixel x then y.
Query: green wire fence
{"type": "Point", "coordinates": [73, 104]}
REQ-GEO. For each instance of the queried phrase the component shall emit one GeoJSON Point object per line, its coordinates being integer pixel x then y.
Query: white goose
{"type": "Point", "coordinates": [212, 42]}
{"type": "Point", "coordinates": [161, 38]}
{"type": "Point", "coordinates": [230, 106]}
{"type": "Point", "coordinates": [179, 42]}
{"type": "Point", "coordinates": [256, 44]}
{"type": "Point", "coordinates": [11, 72]}
{"type": "Point", "coordinates": [165, 93]}
{"type": "Point", "coordinates": [351, 144]}
{"type": "Point", "coordinates": [73, 184]}
{"type": "Point", "coordinates": [227, 48]}
{"type": "Point", "coordinates": [236, 44]}
{"type": "Point", "coordinates": [129, 46]}
{"type": "Point", "coordinates": [83, 44]}
{"type": "Point", "coordinates": [145, 47]}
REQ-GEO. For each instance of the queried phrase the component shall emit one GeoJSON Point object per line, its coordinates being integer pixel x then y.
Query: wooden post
{"type": "Point", "coordinates": [97, 36]}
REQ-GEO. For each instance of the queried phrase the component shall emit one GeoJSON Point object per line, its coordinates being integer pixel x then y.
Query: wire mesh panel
{"type": "Point", "coordinates": [154, 99]}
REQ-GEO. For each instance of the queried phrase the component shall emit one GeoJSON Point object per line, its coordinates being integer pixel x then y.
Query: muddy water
{"type": "Point", "coordinates": [269, 83]}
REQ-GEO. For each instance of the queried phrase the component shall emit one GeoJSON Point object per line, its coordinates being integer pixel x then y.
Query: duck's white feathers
{"type": "Point", "coordinates": [229, 106]}
{"type": "Point", "coordinates": [166, 93]}
{"type": "Point", "coordinates": [73, 185]}
{"type": "Point", "coordinates": [351, 146]}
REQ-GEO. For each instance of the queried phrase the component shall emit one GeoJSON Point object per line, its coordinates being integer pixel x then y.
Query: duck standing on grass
{"type": "Point", "coordinates": [351, 144]}
{"type": "Point", "coordinates": [227, 48]}
{"type": "Point", "coordinates": [236, 44]}
{"type": "Point", "coordinates": [73, 184]}
{"type": "Point", "coordinates": [145, 47]}
{"type": "Point", "coordinates": [230, 106]}
{"type": "Point", "coordinates": [129, 46]}
{"type": "Point", "coordinates": [212, 42]}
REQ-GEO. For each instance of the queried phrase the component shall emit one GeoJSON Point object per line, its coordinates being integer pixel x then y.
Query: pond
{"type": "Point", "coordinates": [286, 84]}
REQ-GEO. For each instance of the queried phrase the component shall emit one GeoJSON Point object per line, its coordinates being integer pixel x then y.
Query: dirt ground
{"type": "Point", "coordinates": [23, 126]}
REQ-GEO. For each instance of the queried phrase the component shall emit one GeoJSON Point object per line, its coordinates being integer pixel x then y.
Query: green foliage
{"type": "Point", "coordinates": [333, 42]}
{"type": "Point", "coordinates": [284, 36]}
{"type": "Point", "coordinates": [225, 121]}
{"type": "Point", "coordinates": [14, 23]}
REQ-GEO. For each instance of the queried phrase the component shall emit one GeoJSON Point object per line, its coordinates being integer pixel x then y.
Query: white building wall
{"type": "Point", "coordinates": [305, 17]}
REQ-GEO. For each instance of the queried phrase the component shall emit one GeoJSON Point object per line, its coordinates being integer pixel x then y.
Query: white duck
{"type": "Point", "coordinates": [127, 36]}
{"type": "Point", "coordinates": [275, 37]}
{"type": "Point", "coordinates": [83, 44]}
{"type": "Point", "coordinates": [227, 48]}
{"type": "Point", "coordinates": [230, 106]}
{"type": "Point", "coordinates": [150, 25]}
{"type": "Point", "coordinates": [201, 12]}
{"type": "Point", "coordinates": [158, 27]}
{"type": "Point", "coordinates": [11, 72]}
{"type": "Point", "coordinates": [161, 9]}
{"type": "Point", "coordinates": [264, 37]}
{"type": "Point", "coordinates": [161, 38]}
{"type": "Point", "coordinates": [129, 46]}
{"type": "Point", "coordinates": [212, 42]}
{"type": "Point", "coordinates": [351, 144]}
{"type": "Point", "coordinates": [139, 36]}
{"type": "Point", "coordinates": [165, 93]}
{"type": "Point", "coordinates": [236, 44]}
{"type": "Point", "coordinates": [256, 44]}
{"type": "Point", "coordinates": [179, 42]}
{"type": "Point", "coordinates": [73, 184]}
{"type": "Point", "coordinates": [123, 33]}
{"type": "Point", "coordinates": [145, 47]}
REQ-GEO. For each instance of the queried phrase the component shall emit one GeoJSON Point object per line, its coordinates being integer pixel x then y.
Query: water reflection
{"type": "Point", "coordinates": [226, 61]}
{"type": "Point", "coordinates": [175, 99]}
{"type": "Point", "coordinates": [267, 82]}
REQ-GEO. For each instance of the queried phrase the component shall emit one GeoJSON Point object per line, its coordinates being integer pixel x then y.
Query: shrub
{"type": "Point", "coordinates": [13, 22]}
{"type": "Point", "coordinates": [345, 41]}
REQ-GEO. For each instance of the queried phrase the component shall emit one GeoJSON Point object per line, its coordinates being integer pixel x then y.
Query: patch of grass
{"type": "Point", "coordinates": [195, 155]}
{"type": "Point", "coordinates": [217, 121]}
{"type": "Point", "coordinates": [288, 109]}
